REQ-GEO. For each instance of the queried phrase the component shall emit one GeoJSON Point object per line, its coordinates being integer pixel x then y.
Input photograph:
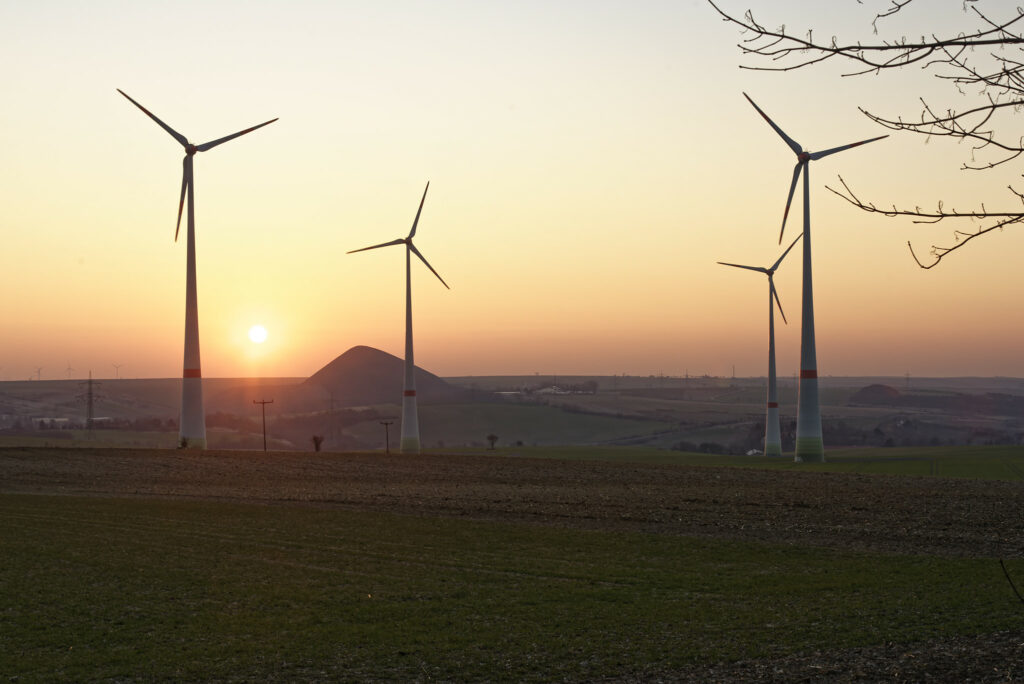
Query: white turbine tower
{"type": "Point", "coordinates": [772, 434]}
{"type": "Point", "coordinates": [809, 445]}
{"type": "Point", "coordinates": [410, 422]}
{"type": "Point", "coordinates": [192, 430]}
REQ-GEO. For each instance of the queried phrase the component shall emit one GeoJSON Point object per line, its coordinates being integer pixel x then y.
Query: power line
{"type": "Point", "coordinates": [90, 398]}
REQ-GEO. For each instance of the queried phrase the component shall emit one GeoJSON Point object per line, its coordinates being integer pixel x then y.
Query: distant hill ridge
{"type": "Point", "coordinates": [364, 375]}
{"type": "Point", "coordinates": [989, 403]}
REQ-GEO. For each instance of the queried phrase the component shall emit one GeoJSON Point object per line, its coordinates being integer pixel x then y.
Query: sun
{"type": "Point", "coordinates": [258, 334]}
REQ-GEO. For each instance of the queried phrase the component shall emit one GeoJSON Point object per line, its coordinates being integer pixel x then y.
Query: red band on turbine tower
{"type": "Point", "coordinates": [811, 374]}
{"type": "Point", "coordinates": [409, 393]}
{"type": "Point", "coordinates": [773, 404]}
{"type": "Point", "coordinates": [192, 373]}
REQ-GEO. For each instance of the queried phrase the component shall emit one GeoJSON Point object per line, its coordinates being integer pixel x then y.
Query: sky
{"type": "Point", "coordinates": [589, 162]}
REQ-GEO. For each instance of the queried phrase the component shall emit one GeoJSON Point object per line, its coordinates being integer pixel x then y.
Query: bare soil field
{"type": "Point", "coordinates": [906, 515]}
{"type": "Point", "coordinates": [875, 514]}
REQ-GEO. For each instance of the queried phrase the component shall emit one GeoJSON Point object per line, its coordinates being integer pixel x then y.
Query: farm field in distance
{"type": "Point", "coordinates": [525, 564]}
{"type": "Point", "coordinates": [712, 415]}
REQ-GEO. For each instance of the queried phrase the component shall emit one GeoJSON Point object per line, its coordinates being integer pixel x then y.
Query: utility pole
{"type": "Point", "coordinates": [90, 397]}
{"type": "Point", "coordinates": [387, 437]}
{"type": "Point", "coordinates": [263, 408]}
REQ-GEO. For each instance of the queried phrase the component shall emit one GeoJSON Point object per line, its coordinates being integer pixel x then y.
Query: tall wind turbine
{"type": "Point", "coordinates": [192, 430]}
{"type": "Point", "coordinates": [410, 422]}
{"type": "Point", "coordinates": [772, 434]}
{"type": "Point", "coordinates": [809, 445]}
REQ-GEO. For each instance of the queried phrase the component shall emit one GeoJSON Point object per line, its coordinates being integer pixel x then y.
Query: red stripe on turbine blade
{"type": "Point", "coordinates": [409, 393]}
{"type": "Point", "coordinates": [810, 374]}
{"type": "Point", "coordinates": [192, 373]}
{"type": "Point", "coordinates": [773, 404]}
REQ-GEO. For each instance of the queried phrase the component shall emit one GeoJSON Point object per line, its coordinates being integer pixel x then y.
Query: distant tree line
{"type": "Point", "coordinates": [141, 424]}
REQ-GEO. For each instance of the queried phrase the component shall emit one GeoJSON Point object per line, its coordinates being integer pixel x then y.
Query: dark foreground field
{"type": "Point", "coordinates": [164, 565]}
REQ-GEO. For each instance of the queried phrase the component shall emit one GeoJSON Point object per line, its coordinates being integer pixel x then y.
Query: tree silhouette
{"type": "Point", "coordinates": [492, 439]}
{"type": "Point", "coordinates": [983, 62]}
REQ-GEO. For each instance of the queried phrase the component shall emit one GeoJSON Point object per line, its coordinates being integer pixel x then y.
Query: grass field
{"type": "Point", "coordinates": [127, 589]}
{"type": "Point", "coordinates": [982, 462]}
{"type": "Point", "coordinates": [78, 439]}
{"type": "Point", "coordinates": [529, 423]}
{"type": "Point", "coordinates": [527, 564]}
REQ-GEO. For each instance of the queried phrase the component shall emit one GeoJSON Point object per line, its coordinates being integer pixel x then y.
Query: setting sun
{"type": "Point", "coordinates": [258, 334]}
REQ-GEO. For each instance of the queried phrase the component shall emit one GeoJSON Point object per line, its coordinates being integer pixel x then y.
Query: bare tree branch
{"type": "Point", "coordinates": [986, 62]}
{"type": "Point", "coordinates": [961, 238]}
{"type": "Point", "coordinates": [778, 44]}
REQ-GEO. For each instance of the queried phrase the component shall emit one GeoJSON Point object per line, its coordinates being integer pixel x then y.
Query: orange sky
{"type": "Point", "coordinates": [589, 164]}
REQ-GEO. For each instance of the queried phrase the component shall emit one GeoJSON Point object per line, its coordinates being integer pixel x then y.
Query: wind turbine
{"type": "Point", "coordinates": [410, 422]}
{"type": "Point", "coordinates": [192, 431]}
{"type": "Point", "coordinates": [809, 444]}
{"type": "Point", "coordinates": [772, 434]}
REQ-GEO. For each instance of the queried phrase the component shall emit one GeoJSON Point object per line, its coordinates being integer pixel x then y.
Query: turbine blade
{"type": "Point", "coordinates": [399, 241]}
{"type": "Point", "coordinates": [213, 143]}
{"type": "Point", "coordinates": [818, 155]}
{"type": "Point", "coordinates": [181, 202]}
{"type": "Point", "coordinates": [174, 134]}
{"type": "Point", "coordinates": [793, 144]}
{"type": "Point", "coordinates": [775, 293]}
{"type": "Point", "coordinates": [779, 260]}
{"type": "Point", "coordinates": [417, 219]}
{"type": "Point", "coordinates": [789, 200]}
{"type": "Point", "coordinates": [749, 268]}
{"type": "Point", "coordinates": [417, 253]}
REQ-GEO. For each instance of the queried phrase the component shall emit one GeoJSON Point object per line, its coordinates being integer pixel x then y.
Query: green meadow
{"type": "Point", "coordinates": [133, 589]}
{"type": "Point", "coordinates": [982, 462]}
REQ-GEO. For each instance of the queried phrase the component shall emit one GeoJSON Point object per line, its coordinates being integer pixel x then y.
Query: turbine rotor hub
{"type": "Point", "coordinates": [191, 149]}
{"type": "Point", "coordinates": [804, 156]}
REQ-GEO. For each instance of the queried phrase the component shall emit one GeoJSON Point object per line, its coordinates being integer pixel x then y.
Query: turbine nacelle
{"type": "Point", "coordinates": [803, 157]}
{"type": "Point", "coordinates": [407, 240]}
{"type": "Point", "coordinates": [770, 272]}
{"type": "Point", "coordinates": [190, 151]}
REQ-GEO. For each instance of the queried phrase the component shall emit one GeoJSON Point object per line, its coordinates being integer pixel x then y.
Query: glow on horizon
{"type": "Point", "coordinates": [590, 162]}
